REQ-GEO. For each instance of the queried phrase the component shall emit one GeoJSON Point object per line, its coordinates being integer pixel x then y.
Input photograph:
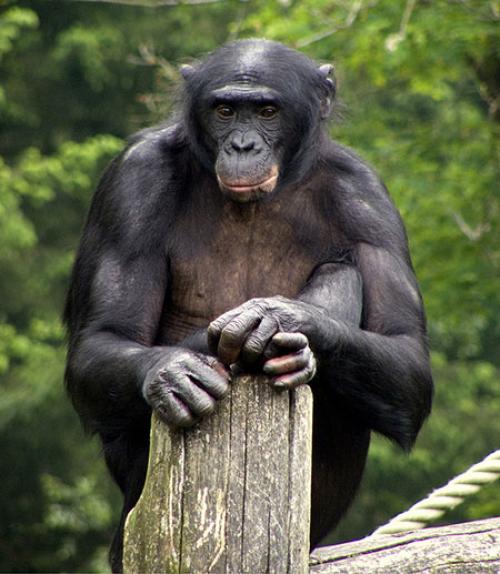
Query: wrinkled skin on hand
{"type": "Point", "coordinates": [272, 333]}
{"type": "Point", "coordinates": [184, 386]}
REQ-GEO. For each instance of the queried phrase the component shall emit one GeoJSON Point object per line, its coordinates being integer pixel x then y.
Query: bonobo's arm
{"type": "Point", "coordinates": [336, 288]}
{"type": "Point", "coordinates": [114, 371]}
{"type": "Point", "coordinates": [380, 370]}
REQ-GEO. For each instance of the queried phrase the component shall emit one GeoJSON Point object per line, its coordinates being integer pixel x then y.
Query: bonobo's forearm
{"type": "Point", "coordinates": [114, 381]}
{"type": "Point", "coordinates": [110, 366]}
{"type": "Point", "coordinates": [105, 373]}
{"type": "Point", "coordinates": [386, 379]}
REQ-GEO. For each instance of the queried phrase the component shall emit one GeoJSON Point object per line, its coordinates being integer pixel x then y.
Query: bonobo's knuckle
{"type": "Point", "coordinates": [205, 409]}
{"type": "Point", "coordinates": [280, 300]}
{"type": "Point", "coordinates": [185, 359]}
{"type": "Point", "coordinates": [184, 420]}
{"type": "Point", "coordinates": [232, 332]}
{"type": "Point", "coordinates": [214, 328]}
{"type": "Point", "coordinates": [254, 347]}
{"type": "Point", "coordinates": [257, 304]}
{"type": "Point", "coordinates": [220, 388]}
{"type": "Point", "coordinates": [311, 369]}
{"type": "Point", "coordinates": [230, 337]}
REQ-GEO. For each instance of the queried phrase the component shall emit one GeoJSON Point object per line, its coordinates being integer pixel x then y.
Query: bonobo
{"type": "Point", "coordinates": [240, 234]}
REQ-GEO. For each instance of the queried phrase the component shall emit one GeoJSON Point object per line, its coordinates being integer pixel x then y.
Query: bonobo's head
{"type": "Point", "coordinates": [254, 111]}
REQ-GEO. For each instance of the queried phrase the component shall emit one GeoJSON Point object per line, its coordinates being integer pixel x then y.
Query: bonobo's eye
{"type": "Point", "coordinates": [268, 112]}
{"type": "Point", "coordinates": [224, 112]}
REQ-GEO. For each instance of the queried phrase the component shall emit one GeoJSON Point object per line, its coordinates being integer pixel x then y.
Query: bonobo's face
{"type": "Point", "coordinates": [253, 111]}
{"type": "Point", "coordinates": [244, 125]}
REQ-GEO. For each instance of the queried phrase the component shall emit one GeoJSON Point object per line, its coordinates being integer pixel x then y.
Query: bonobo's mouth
{"type": "Point", "coordinates": [245, 187]}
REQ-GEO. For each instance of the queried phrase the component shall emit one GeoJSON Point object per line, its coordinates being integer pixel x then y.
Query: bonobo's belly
{"type": "Point", "coordinates": [239, 265]}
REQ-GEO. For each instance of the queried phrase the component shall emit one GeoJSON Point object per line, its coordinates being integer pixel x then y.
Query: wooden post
{"type": "Point", "coordinates": [232, 494]}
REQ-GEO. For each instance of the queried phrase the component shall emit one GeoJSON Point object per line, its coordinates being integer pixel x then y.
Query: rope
{"type": "Point", "coordinates": [446, 497]}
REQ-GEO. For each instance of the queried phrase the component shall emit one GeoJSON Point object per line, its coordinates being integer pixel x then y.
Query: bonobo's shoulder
{"type": "Point", "coordinates": [138, 191]}
{"type": "Point", "coordinates": [153, 146]}
{"type": "Point", "coordinates": [352, 171]}
{"type": "Point", "coordinates": [360, 198]}
{"type": "Point", "coordinates": [145, 168]}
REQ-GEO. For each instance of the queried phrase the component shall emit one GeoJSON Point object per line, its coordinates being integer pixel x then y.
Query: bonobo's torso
{"type": "Point", "coordinates": [254, 250]}
{"type": "Point", "coordinates": [259, 250]}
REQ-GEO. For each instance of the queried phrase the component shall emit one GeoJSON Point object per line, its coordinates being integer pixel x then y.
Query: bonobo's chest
{"type": "Point", "coordinates": [252, 251]}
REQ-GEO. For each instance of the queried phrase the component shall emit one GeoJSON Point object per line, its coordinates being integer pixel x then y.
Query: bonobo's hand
{"type": "Point", "coordinates": [290, 361]}
{"type": "Point", "coordinates": [243, 334]}
{"type": "Point", "coordinates": [184, 386]}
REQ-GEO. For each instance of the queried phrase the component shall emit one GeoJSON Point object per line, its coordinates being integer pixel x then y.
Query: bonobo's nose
{"type": "Point", "coordinates": [244, 142]}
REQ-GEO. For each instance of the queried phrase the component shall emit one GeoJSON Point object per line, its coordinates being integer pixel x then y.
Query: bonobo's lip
{"type": "Point", "coordinates": [266, 185]}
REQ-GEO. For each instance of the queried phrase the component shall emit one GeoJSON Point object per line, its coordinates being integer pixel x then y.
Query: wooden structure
{"type": "Point", "coordinates": [469, 548]}
{"type": "Point", "coordinates": [232, 494]}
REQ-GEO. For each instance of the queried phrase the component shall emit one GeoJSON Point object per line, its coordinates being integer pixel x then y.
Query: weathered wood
{"type": "Point", "coordinates": [469, 548]}
{"type": "Point", "coordinates": [232, 494]}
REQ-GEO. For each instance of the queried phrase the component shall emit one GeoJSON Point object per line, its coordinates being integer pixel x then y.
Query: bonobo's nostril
{"type": "Point", "coordinates": [241, 143]}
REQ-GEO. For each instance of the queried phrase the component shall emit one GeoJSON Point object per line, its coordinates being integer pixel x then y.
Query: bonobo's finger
{"type": "Point", "coordinates": [288, 363]}
{"type": "Point", "coordinates": [217, 325]}
{"type": "Point", "coordinates": [174, 412]}
{"type": "Point", "coordinates": [210, 375]}
{"type": "Point", "coordinates": [288, 341]}
{"type": "Point", "coordinates": [197, 400]}
{"type": "Point", "coordinates": [292, 380]}
{"type": "Point", "coordinates": [234, 335]}
{"type": "Point", "coordinates": [254, 346]}
{"type": "Point", "coordinates": [300, 377]}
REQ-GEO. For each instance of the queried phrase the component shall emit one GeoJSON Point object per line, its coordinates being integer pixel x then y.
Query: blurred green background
{"type": "Point", "coordinates": [419, 86]}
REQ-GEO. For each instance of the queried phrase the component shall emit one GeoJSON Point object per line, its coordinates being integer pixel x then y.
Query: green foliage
{"type": "Point", "coordinates": [419, 84]}
{"type": "Point", "coordinates": [14, 20]}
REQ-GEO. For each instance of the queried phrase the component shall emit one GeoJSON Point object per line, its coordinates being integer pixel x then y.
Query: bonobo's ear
{"type": "Point", "coordinates": [326, 72]}
{"type": "Point", "coordinates": [186, 71]}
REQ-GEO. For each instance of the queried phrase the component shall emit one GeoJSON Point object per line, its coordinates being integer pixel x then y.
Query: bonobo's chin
{"type": "Point", "coordinates": [249, 191]}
